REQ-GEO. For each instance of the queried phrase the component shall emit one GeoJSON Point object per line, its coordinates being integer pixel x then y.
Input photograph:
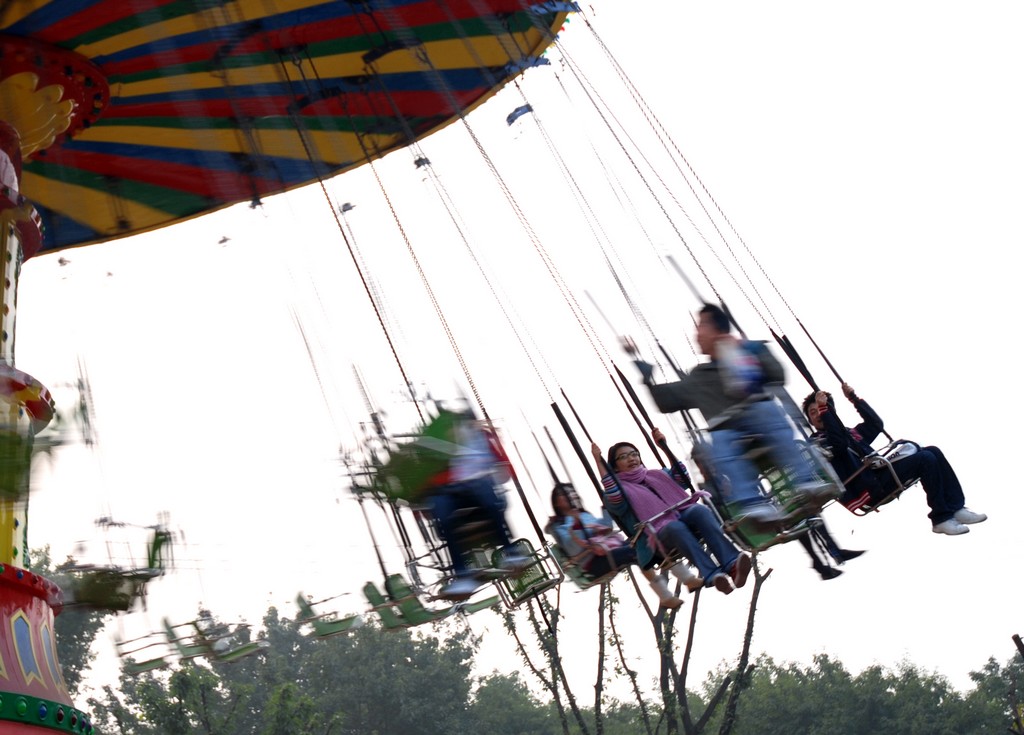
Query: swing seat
{"type": "Point", "coordinates": [404, 598]}
{"type": "Point", "coordinates": [881, 461]}
{"type": "Point", "coordinates": [113, 588]}
{"type": "Point", "coordinates": [473, 607]}
{"type": "Point", "coordinates": [133, 667]}
{"type": "Point", "coordinates": [571, 568]}
{"type": "Point", "coordinates": [537, 578]}
{"type": "Point", "coordinates": [226, 650]}
{"type": "Point", "coordinates": [476, 534]}
{"type": "Point", "coordinates": [184, 645]}
{"type": "Point", "coordinates": [391, 618]}
{"type": "Point", "coordinates": [325, 625]}
{"type": "Point", "coordinates": [221, 644]}
{"type": "Point", "coordinates": [777, 487]}
{"type": "Point", "coordinates": [777, 484]}
{"type": "Point", "coordinates": [108, 588]}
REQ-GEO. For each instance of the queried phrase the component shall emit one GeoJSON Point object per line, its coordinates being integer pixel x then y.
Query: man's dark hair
{"type": "Point", "coordinates": [719, 319]}
{"type": "Point", "coordinates": [808, 401]}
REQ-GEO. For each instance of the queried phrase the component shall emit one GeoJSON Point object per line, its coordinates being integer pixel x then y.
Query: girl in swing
{"type": "Point", "coordinates": [598, 549]}
{"type": "Point", "coordinates": [675, 523]}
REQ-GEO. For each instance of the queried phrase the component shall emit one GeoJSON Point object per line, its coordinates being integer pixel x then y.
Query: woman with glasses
{"type": "Point", "coordinates": [674, 522]}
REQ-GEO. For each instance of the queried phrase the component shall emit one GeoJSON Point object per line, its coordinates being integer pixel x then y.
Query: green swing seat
{"type": "Point", "coordinates": [113, 588]}
{"type": "Point", "coordinates": [777, 484]}
{"type": "Point", "coordinates": [412, 610]}
{"type": "Point", "coordinates": [134, 667]}
{"type": "Point", "coordinates": [390, 617]}
{"type": "Point", "coordinates": [218, 646]}
{"type": "Point", "coordinates": [576, 573]}
{"type": "Point", "coordinates": [223, 646]}
{"type": "Point", "coordinates": [539, 576]}
{"type": "Point", "coordinates": [184, 645]}
{"type": "Point", "coordinates": [325, 625]}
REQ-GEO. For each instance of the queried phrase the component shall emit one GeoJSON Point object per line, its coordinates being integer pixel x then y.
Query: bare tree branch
{"type": "Point", "coordinates": [743, 672]}
{"type": "Point", "coordinates": [625, 667]}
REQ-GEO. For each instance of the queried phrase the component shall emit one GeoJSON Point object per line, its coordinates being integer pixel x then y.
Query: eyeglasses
{"type": "Point", "coordinates": [627, 455]}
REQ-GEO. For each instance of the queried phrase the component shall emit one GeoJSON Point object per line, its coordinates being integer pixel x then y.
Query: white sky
{"type": "Point", "coordinates": [868, 154]}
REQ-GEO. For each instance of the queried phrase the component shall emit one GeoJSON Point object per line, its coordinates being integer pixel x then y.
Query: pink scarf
{"type": "Point", "coordinates": [651, 492]}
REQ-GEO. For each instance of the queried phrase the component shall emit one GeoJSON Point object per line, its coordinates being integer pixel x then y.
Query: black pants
{"type": "Point", "coordinates": [940, 483]}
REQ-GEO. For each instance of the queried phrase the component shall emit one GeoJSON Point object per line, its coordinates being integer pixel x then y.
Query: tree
{"type": "Point", "coordinates": [371, 681]}
{"type": "Point", "coordinates": [824, 698]}
{"type": "Point", "coordinates": [504, 705]}
{"type": "Point", "coordinates": [290, 712]}
{"type": "Point", "coordinates": [377, 681]}
{"type": "Point", "coordinates": [996, 701]}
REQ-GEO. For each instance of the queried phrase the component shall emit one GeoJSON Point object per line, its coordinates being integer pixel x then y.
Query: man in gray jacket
{"type": "Point", "coordinates": [729, 391]}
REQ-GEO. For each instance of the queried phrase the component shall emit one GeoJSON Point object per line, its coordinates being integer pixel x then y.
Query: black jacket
{"type": "Point", "coordinates": [847, 448]}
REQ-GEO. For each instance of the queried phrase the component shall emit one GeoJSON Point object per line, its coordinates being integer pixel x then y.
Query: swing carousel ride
{"type": "Point", "coordinates": [118, 118]}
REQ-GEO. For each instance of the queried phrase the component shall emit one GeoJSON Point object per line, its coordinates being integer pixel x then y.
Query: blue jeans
{"type": "Point", "coordinates": [695, 524]}
{"type": "Point", "coordinates": [735, 476]}
{"type": "Point", "coordinates": [940, 483]}
{"type": "Point", "coordinates": [447, 500]}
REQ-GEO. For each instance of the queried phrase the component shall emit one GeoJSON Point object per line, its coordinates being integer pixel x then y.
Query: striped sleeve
{"type": "Point", "coordinates": [613, 495]}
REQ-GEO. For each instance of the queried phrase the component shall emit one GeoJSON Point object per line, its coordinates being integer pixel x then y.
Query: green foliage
{"type": "Point", "coordinates": [377, 682]}
{"type": "Point", "coordinates": [825, 698]}
{"type": "Point", "coordinates": [371, 681]}
{"type": "Point", "coordinates": [504, 705]}
{"type": "Point", "coordinates": [998, 696]}
{"type": "Point", "coordinates": [290, 712]}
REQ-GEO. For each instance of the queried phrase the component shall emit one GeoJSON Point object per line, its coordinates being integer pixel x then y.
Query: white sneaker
{"type": "Point", "coordinates": [966, 515]}
{"type": "Point", "coordinates": [760, 515]}
{"type": "Point", "coordinates": [514, 562]}
{"type": "Point", "coordinates": [460, 589]}
{"type": "Point", "coordinates": [952, 527]}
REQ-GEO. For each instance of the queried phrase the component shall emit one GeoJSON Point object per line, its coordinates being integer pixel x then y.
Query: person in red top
{"type": "Point", "coordinates": [475, 465]}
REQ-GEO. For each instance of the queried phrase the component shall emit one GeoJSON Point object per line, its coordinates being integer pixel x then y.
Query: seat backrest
{"type": "Point", "coordinates": [397, 588]}
{"type": "Point", "coordinates": [533, 580]}
{"type": "Point", "coordinates": [105, 589]}
{"type": "Point", "coordinates": [185, 651]}
{"type": "Point", "coordinates": [155, 550]}
{"type": "Point", "coordinates": [235, 651]}
{"type": "Point", "coordinates": [572, 570]}
{"type": "Point", "coordinates": [388, 615]}
{"type": "Point", "coordinates": [881, 463]}
{"type": "Point", "coordinates": [306, 611]}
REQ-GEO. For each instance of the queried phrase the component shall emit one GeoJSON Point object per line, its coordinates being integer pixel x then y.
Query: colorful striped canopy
{"type": "Point", "coordinates": [215, 102]}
